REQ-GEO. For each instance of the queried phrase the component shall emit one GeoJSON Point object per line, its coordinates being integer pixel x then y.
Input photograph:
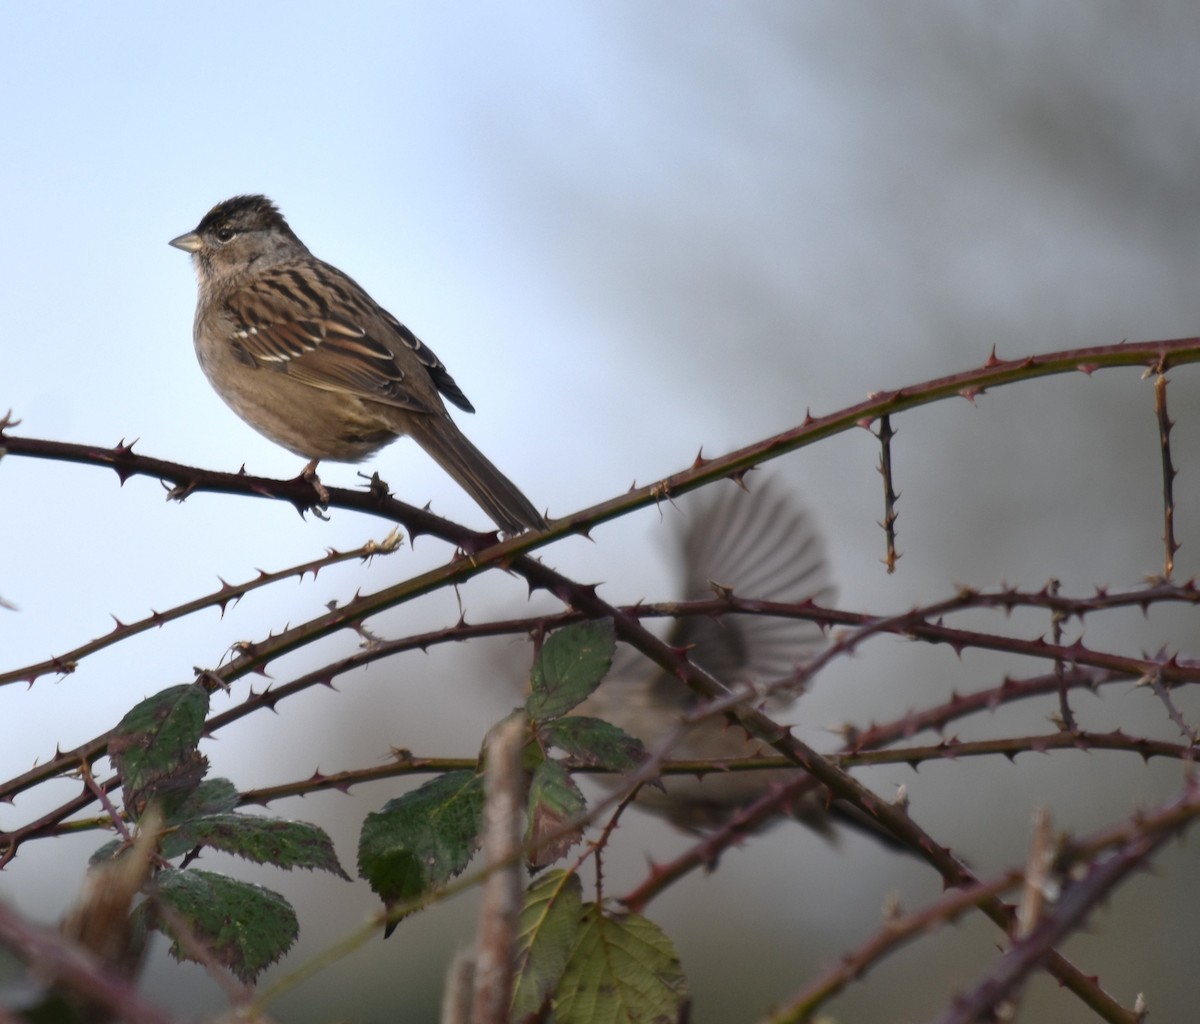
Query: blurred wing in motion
{"type": "Point", "coordinates": [762, 545]}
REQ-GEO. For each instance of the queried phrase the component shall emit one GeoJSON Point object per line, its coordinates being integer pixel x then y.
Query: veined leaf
{"type": "Point", "coordinates": [570, 665]}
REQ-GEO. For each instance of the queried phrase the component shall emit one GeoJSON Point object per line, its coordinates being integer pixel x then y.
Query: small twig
{"type": "Point", "coordinates": [894, 933]}
{"type": "Point", "coordinates": [200, 951]}
{"type": "Point", "coordinates": [99, 792]}
{"type": "Point", "coordinates": [222, 597]}
{"type": "Point", "coordinates": [1010, 747]}
{"type": "Point", "coordinates": [458, 990]}
{"type": "Point", "coordinates": [1155, 682]}
{"type": "Point", "coordinates": [1168, 473]}
{"type": "Point", "coordinates": [1057, 617]}
{"type": "Point", "coordinates": [1091, 884]}
{"type": "Point", "coordinates": [1041, 890]}
{"type": "Point", "coordinates": [890, 497]}
{"type": "Point", "coordinates": [501, 900]}
{"type": "Point", "coordinates": [963, 705]}
{"type": "Point", "coordinates": [779, 799]}
{"type": "Point", "coordinates": [596, 848]}
{"type": "Point", "coordinates": [706, 851]}
{"type": "Point", "coordinates": [1040, 887]}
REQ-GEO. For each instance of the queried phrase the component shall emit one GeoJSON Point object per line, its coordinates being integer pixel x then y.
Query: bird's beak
{"type": "Point", "coordinates": [188, 243]}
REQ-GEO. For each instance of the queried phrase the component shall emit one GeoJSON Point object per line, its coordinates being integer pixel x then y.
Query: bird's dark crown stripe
{"type": "Point", "coordinates": [226, 210]}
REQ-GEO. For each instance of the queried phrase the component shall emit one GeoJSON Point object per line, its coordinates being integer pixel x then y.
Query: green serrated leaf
{"type": "Point", "coordinates": [154, 747]}
{"type": "Point", "coordinates": [593, 741]}
{"type": "Point", "coordinates": [107, 852]}
{"type": "Point", "coordinates": [421, 840]}
{"type": "Point", "coordinates": [212, 796]}
{"type": "Point", "coordinates": [554, 799]}
{"type": "Point", "coordinates": [546, 934]}
{"type": "Point", "coordinates": [623, 969]}
{"type": "Point", "coordinates": [286, 844]}
{"type": "Point", "coordinates": [569, 667]}
{"type": "Point", "coordinates": [243, 926]}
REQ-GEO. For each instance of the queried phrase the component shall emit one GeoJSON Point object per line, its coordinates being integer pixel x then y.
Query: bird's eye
{"type": "Point", "coordinates": [224, 234]}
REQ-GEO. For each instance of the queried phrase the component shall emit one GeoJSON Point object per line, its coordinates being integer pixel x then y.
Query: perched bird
{"type": "Point", "coordinates": [305, 356]}
{"type": "Point", "coordinates": [762, 545]}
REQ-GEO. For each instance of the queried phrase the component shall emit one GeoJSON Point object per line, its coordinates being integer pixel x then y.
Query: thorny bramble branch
{"type": "Point", "coordinates": [480, 554]}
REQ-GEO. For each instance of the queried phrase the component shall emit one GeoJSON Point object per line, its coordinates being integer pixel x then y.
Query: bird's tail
{"type": "Point", "coordinates": [498, 496]}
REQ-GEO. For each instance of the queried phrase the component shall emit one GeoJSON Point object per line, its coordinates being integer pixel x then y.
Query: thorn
{"type": "Point", "coordinates": [376, 486]}
{"type": "Point", "coordinates": [177, 493]}
{"type": "Point", "coordinates": [209, 677]}
{"type": "Point", "coordinates": [992, 360]}
{"type": "Point", "coordinates": [739, 478]}
{"type": "Point", "coordinates": [721, 590]}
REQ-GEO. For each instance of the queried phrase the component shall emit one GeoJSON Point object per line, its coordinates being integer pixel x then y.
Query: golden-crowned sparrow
{"type": "Point", "coordinates": [305, 356]}
{"type": "Point", "coordinates": [763, 545]}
